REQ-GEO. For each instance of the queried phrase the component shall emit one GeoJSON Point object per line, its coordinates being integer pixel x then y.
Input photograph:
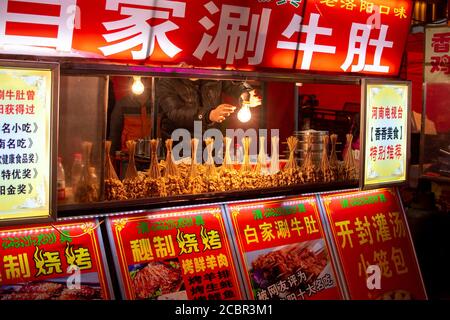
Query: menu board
{"type": "Point", "coordinates": [26, 140]}
{"type": "Point", "coordinates": [174, 255]}
{"type": "Point", "coordinates": [386, 133]}
{"type": "Point", "coordinates": [374, 246]}
{"type": "Point", "coordinates": [282, 247]}
{"type": "Point", "coordinates": [64, 261]}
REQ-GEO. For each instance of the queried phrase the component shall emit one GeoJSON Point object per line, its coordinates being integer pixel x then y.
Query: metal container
{"type": "Point", "coordinates": [315, 146]}
{"type": "Point", "coordinates": [316, 136]}
{"type": "Point", "coordinates": [143, 148]}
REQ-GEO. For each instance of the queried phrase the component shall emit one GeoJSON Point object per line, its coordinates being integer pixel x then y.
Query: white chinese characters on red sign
{"type": "Point", "coordinates": [64, 23]}
{"type": "Point", "coordinates": [136, 25]}
{"type": "Point", "coordinates": [337, 36]}
{"type": "Point", "coordinates": [309, 46]}
{"type": "Point", "coordinates": [231, 40]}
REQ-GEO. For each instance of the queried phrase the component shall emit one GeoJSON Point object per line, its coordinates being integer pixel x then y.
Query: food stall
{"type": "Point", "coordinates": [258, 207]}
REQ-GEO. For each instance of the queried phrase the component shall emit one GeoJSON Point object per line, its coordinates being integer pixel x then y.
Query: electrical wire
{"type": "Point", "coordinates": [80, 235]}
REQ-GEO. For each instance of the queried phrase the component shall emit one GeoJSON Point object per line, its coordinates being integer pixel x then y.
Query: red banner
{"type": "Point", "coordinates": [373, 241]}
{"type": "Point", "coordinates": [437, 54]}
{"type": "Point", "coordinates": [282, 246]}
{"type": "Point", "coordinates": [60, 262]}
{"type": "Point", "coordinates": [343, 36]}
{"type": "Point", "coordinates": [176, 255]}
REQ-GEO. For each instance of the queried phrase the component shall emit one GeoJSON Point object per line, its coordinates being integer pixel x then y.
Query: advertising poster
{"type": "Point", "coordinates": [374, 245]}
{"type": "Point", "coordinates": [174, 255]}
{"type": "Point", "coordinates": [64, 261]}
{"type": "Point", "coordinates": [386, 133]}
{"type": "Point", "coordinates": [282, 247]}
{"type": "Point", "coordinates": [25, 143]}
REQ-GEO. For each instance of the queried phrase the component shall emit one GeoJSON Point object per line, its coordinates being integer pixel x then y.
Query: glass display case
{"type": "Point", "coordinates": [128, 141]}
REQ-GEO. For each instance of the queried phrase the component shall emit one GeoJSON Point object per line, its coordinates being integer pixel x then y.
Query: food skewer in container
{"type": "Point", "coordinates": [227, 171]}
{"type": "Point", "coordinates": [275, 156]}
{"type": "Point", "coordinates": [349, 160]}
{"type": "Point", "coordinates": [227, 162]}
{"type": "Point", "coordinates": [261, 165]}
{"type": "Point", "coordinates": [334, 163]}
{"type": "Point", "coordinates": [212, 178]}
{"type": "Point", "coordinates": [308, 169]}
{"type": "Point", "coordinates": [274, 162]}
{"type": "Point", "coordinates": [173, 181]}
{"type": "Point", "coordinates": [154, 184]}
{"type": "Point", "coordinates": [327, 174]}
{"type": "Point", "coordinates": [246, 166]}
{"type": "Point", "coordinates": [194, 182]}
{"type": "Point", "coordinates": [87, 189]}
{"type": "Point", "coordinates": [114, 189]}
{"type": "Point", "coordinates": [291, 174]}
{"type": "Point", "coordinates": [247, 175]}
{"type": "Point", "coordinates": [133, 182]}
{"type": "Point", "coordinates": [261, 171]}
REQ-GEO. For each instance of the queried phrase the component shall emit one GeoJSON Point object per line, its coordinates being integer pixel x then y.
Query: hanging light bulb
{"type": "Point", "coordinates": [244, 115]}
{"type": "Point", "coordinates": [138, 87]}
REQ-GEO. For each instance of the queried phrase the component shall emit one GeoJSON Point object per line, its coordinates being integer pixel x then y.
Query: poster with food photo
{"type": "Point", "coordinates": [63, 261]}
{"type": "Point", "coordinates": [158, 280]}
{"type": "Point", "coordinates": [283, 250]}
{"type": "Point", "coordinates": [370, 229]}
{"type": "Point", "coordinates": [174, 255]}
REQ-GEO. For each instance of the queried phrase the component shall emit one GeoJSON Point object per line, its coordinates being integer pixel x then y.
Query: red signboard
{"type": "Point", "coordinates": [369, 229]}
{"type": "Point", "coordinates": [282, 247]}
{"type": "Point", "coordinates": [351, 36]}
{"type": "Point", "coordinates": [437, 54]}
{"type": "Point", "coordinates": [176, 255]}
{"type": "Point", "coordinates": [59, 262]}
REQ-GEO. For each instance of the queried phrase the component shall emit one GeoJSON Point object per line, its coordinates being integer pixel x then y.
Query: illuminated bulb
{"type": "Point", "coordinates": [138, 86]}
{"type": "Point", "coordinates": [244, 115]}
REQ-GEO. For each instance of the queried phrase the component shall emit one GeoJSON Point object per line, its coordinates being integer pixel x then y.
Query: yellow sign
{"type": "Point", "coordinates": [25, 142]}
{"type": "Point", "coordinates": [386, 133]}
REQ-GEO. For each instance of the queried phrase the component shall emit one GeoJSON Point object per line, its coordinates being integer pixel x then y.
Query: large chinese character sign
{"type": "Point", "coordinates": [339, 36]}
{"type": "Point", "coordinates": [385, 132]}
{"type": "Point", "coordinates": [374, 246]}
{"type": "Point", "coordinates": [282, 248]}
{"type": "Point", "coordinates": [175, 255]}
{"type": "Point", "coordinates": [64, 261]}
{"type": "Point", "coordinates": [27, 140]}
{"type": "Point", "coordinates": [437, 54]}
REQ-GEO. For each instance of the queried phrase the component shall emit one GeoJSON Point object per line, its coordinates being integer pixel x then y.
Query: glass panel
{"type": "Point", "coordinates": [284, 125]}
{"type": "Point", "coordinates": [436, 148]}
{"type": "Point", "coordinates": [226, 111]}
{"type": "Point", "coordinates": [81, 131]}
{"type": "Point", "coordinates": [330, 109]}
{"type": "Point", "coordinates": [130, 118]}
